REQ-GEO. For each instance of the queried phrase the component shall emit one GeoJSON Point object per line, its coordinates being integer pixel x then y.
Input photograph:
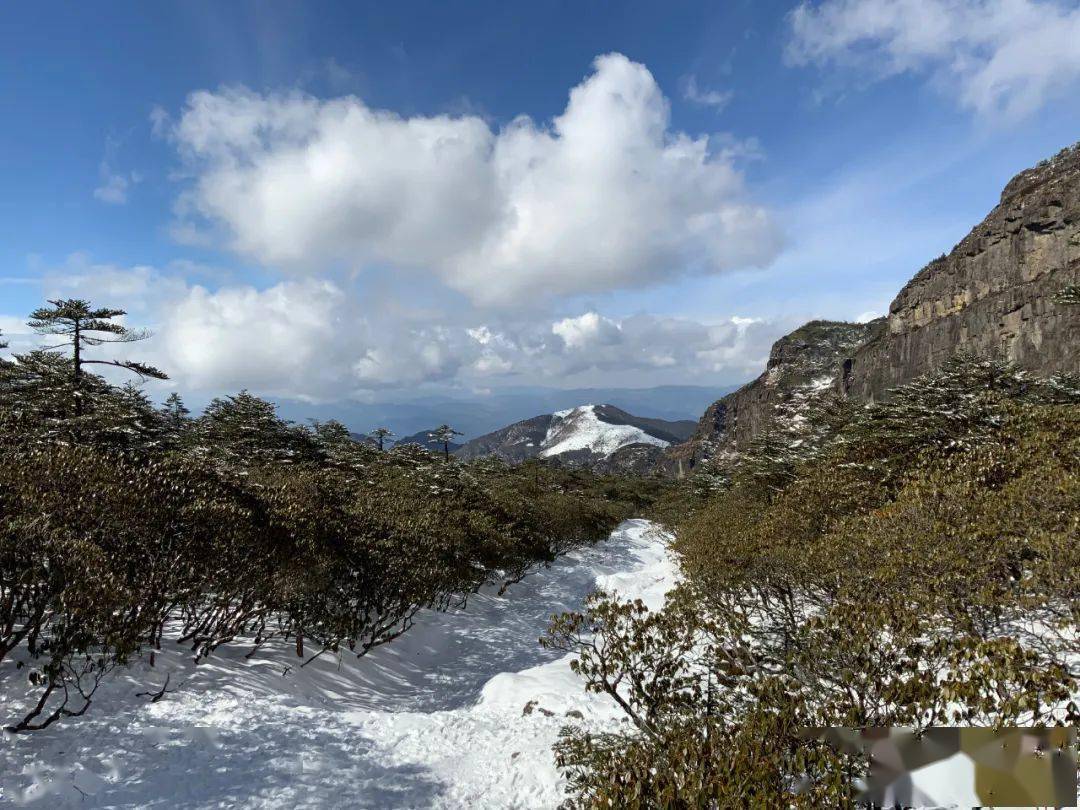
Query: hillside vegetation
{"type": "Point", "coordinates": [909, 563]}
{"type": "Point", "coordinates": [122, 523]}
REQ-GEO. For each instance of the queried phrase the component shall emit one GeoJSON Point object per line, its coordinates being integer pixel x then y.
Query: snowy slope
{"type": "Point", "coordinates": [586, 436]}
{"type": "Point", "coordinates": [433, 720]}
{"type": "Point", "coordinates": [581, 429]}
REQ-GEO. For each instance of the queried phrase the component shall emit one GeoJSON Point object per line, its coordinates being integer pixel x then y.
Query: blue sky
{"type": "Point", "coordinates": [342, 200]}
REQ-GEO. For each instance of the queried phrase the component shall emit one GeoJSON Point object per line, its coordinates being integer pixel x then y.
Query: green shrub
{"type": "Point", "coordinates": [917, 566]}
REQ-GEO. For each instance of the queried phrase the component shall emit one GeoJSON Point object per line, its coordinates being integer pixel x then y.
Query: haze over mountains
{"type": "Point", "coordinates": [477, 414]}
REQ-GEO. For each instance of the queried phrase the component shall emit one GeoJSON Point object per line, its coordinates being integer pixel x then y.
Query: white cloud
{"type": "Point", "coordinates": [717, 99]}
{"type": "Point", "coordinates": [606, 196]}
{"type": "Point", "coordinates": [735, 347]}
{"type": "Point", "coordinates": [590, 330]}
{"type": "Point", "coordinates": [998, 57]}
{"type": "Point", "coordinates": [16, 334]}
{"type": "Point", "coordinates": [114, 187]}
{"type": "Point", "coordinates": [316, 340]}
{"type": "Point", "coordinates": [308, 339]}
{"type": "Point", "coordinates": [113, 190]}
{"type": "Point", "coordinates": [140, 289]}
{"type": "Point", "coordinates": [285, 339]}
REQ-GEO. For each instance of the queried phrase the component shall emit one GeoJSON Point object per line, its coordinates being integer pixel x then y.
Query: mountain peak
{"type": "Point", "coordinates": [595, 429]}
{"type": "Point", "coordinates": [582, 436]}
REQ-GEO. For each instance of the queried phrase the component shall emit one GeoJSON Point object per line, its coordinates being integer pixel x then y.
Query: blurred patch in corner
{"type": "Point", "coordinates": [961, 767]}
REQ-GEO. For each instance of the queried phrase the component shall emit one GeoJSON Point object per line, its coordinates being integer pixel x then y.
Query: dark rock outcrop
{"type": "Point", "coordinates": [993, 294]}
{"type": "Point", "coordinates": [633, 459]}
{"type": "Point", "coordinates": [810, 358]}
{"type": "Point", "coordinates": [514, 443]}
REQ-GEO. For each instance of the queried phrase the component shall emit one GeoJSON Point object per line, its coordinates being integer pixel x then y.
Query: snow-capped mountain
{"type": "Point", "coordinates": [582, 428]}
{"type": "Point", "coordinates": [585, 435]}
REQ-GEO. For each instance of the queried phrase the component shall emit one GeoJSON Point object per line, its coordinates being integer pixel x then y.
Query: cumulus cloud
{"type": "Point", "coordinates": [604, 196]}
{"type": "Point", "coordinates": [590, 330]}
{"type": "Point", "coordinates": [280, 340]}
{"type": "Point", "coordinates": [139, 289]}
{"type": "Point", "coordinates": [305, 339]}
{"type": "Point", "coordinates": [1005, 57]}
{"type": "Point", "coordinates": [645, 344]}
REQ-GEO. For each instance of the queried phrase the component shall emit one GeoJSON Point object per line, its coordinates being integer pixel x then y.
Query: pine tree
{"type": "Point", "coordinates": [380, 434]}
{"type": "Point", "coordinates": [81, 327]}
{"type": "Point", "coordinates": [444, 434]}
{"type": "Point", "coordinates": [174, 411]}
{"type": "Point", "coordinates": [338, 446]}
{"type": "Point", "coordinates": [38, 401]}
{"type": "Point", "coordinates": [175, 418]}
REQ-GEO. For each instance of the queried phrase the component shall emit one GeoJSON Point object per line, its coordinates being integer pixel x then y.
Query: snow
{"type": "Point", "coordinates": [581, 429]}
{"type": "Point", "coordinates": [435, 719]}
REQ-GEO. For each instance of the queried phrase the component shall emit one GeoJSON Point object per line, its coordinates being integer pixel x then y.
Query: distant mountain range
{"type": "Point", "coordinates": [586, 435]}
{"type": "Point", "coordinates": [478, 414]}
{"type": "Point", "coordinates": [423, 438]}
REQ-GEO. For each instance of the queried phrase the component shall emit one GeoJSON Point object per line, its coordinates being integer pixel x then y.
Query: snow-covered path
{"type": "Point", "coordinates": [433, 720]}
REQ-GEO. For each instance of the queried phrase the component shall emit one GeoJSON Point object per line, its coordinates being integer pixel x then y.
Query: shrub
{"type": "Point", "coordinates": [917, 567]}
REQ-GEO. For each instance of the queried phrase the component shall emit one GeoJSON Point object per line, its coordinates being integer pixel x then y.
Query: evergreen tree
{"type": "Point", "coordinates": [176, 424]}
{"type": "Point", "coordinates": [444, 434]}
{"type": "Point", "coordinates": [38, 401]}
{"type": "Point", "coordinates": [174, 411]}
{"type": "Point", "coordinates": [331, 432]}
{"type": "Point", "coordinates": [380, 434]}
{"type": "Point", "coordinates": [246, 429]}
{"type": "Point", "coordinates": [81, 326]}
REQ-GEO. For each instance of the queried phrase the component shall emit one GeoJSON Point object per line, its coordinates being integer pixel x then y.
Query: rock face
{"type": "Point", "coordinates": [993, 295]}
{"type": "Point", "coordinates": [584, 436]}
{"type": "Point", "coordinates": [632, 459]}
{"type": "Point", "coordinates": [810, 358]}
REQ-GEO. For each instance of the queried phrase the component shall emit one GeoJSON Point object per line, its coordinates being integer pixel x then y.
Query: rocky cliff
{"type": "Point", "coordinates": [807, 360]}
{"type": "Point", "coordinates": [993, 294]}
